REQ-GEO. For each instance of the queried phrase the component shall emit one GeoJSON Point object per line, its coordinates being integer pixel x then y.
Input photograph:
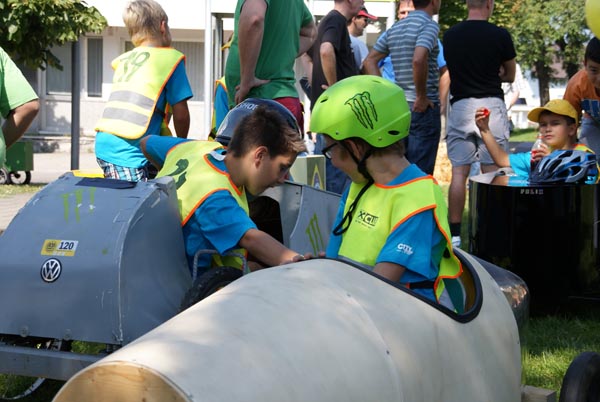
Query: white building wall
{"type": "Point", "coordinates": [187, 21]}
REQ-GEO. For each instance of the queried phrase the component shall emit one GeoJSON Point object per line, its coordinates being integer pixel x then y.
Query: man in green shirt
{"type": "Point", "coordinates": [18, 104]}
{"type": "Point", "coordinates": [268, 36]}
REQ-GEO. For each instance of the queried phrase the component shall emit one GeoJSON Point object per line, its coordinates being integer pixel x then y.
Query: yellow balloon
{"type": "Point", "coordinates": [592, 16]}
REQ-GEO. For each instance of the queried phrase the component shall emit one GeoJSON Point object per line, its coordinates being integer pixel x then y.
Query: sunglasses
{"type": "Point", "coordinates": [327, 150]}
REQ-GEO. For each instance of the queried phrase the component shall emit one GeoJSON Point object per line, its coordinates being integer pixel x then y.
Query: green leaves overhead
{"type": "Point", "coordinates": [548, 34]}
{"type": "Point", "coordinates": [29, 28]}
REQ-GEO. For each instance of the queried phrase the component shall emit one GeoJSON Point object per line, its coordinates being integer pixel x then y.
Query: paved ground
{"type": "Point", "coordinates": [47, 167]}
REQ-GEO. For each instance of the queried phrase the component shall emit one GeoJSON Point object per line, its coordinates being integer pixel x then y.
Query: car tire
{"type": "Point", "coordinates": [581, 382]}
{"type": "Point", "coordinates": [19, 178]}
{"type": "Point", "coordinates": [208, 283]}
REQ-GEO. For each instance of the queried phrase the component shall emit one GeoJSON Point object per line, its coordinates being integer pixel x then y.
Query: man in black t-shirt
{"type": "Point", "coordinates": [480, 56]}
{"type": "Point", "coordinates": [333, 60]}
{"type": "Point", "coordinates": [331, 52]}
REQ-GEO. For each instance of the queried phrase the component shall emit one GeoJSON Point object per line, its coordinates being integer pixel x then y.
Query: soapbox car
{"type": "Point", "coordinates": [102, 261]}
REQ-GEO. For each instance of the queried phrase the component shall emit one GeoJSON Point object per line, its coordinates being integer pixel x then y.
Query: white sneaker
{"type": "Point", "coordinates": [456, 241]}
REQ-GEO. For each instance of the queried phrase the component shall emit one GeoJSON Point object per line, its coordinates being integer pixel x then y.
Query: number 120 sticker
{"type": "Point", "coordinates": [65, 248]}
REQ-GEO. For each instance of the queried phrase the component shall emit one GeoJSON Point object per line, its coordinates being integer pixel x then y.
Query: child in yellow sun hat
{"type": "Point", "coordinates": [557, 121]}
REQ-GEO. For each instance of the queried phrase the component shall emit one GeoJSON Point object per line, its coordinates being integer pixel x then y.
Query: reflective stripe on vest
{"type": "Point", "coordinates": [140, 76]}
{"type": "Point", "coordinates": [196, 178]}
{"type": "Point", "coordinates": [580, 147]}
{"type": "Point", "coordinates": [371, 225]}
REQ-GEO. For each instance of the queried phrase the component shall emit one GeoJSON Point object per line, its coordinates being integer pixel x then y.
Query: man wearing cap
{"type": "Point", "coordinates": [356, 28]}
{"type": "Point", "coordinates": [268, 36]}
{"type": "Point", "coordinates": [412, 43]}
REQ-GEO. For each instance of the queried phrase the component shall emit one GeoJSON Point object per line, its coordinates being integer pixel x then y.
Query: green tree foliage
{"type": "Point", "coordinates": [546, 33]}
{"type": "Point", "coordinates": [29, 28]}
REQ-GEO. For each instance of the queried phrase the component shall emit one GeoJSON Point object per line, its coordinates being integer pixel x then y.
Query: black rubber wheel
{"type": "Point", "coordinates": [16, 387]}
{"type": "Point", "coordinates": [4, 176]}
{"type": "Point", "coordinates": [208, 283]}
{"type": "Point", "coordinates": [582, 379]}
{"type": "Point", "coordinates": [19, 178]}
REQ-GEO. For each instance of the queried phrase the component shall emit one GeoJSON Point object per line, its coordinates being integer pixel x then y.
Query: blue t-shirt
{"type": "Point", "coordinates": [219, 222]}
{"type": "Point", "coordinates": [419, 233]}
{"type": "Point", "coordinates": [520, 163]}
{"type": "Point", "coordinates": [124, 152]}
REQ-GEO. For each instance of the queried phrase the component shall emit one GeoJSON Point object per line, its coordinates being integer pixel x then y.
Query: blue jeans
{"type": "Point", "coordinates": [336, 180]}
{"type": "Point", "coordinates": [424, 138]}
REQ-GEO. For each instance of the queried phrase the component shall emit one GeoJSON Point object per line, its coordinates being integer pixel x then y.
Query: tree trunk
{"type": "Point", "coordinates": [543, 75]}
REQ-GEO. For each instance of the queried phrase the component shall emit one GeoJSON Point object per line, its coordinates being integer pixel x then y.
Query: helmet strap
{"type": "Point", "coordinates": [344, 224]}
{"type": "Point", "coordinates": [362, 163]}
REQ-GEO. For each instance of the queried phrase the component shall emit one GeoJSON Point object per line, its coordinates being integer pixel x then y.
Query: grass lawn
{"type": "Point", "coordinates": [6, 190]}
{"type": "Point", "coordinates": [552, 342]}
{"type": "Point", "coordinates": [524, 135]}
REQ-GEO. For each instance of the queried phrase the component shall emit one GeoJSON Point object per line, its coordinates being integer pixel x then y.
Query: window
{"type": "Point", "coordinates": [94, 67]}
{"type": "Point", "coordinates": [194, 66]}
{"type": "Point", "coordinates": [59, 82]}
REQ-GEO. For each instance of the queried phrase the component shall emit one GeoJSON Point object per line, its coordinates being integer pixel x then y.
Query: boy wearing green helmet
{"type": "Point", "coordinates": [393, 217]}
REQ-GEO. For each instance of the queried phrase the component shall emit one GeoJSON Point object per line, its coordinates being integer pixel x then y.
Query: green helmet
{"type": "Point", "coordinates": [363, 106]}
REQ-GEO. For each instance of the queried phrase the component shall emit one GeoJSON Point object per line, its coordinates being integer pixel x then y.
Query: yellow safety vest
{"type": "Point", "coordinates": [196, 178]}
{"type": "Point", "coordinates": [371, 224]}
{"type": "Point", "coordinates": [140, 76]}
{"type": "Point", "coordinates": [580, 147]}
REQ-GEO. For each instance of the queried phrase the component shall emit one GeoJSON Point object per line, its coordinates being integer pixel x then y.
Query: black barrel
{"type": "Point", "coordinates": [548, 235]}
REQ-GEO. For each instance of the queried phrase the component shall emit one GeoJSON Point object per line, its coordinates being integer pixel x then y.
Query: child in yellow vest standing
{"type": "Point", "coordinates": [393, 217]}
{"type": "Point", "coordinates": [149, 84]}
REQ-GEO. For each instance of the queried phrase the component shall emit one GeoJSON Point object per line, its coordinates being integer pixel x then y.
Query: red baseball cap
{"type": "Point", "coordinates": [364, 13]}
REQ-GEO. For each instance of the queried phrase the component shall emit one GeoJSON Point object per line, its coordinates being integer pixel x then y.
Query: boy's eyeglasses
{"type": "Point", "coordinates": [327, 150]}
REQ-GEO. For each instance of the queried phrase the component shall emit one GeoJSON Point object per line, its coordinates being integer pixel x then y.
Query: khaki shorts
{"type": "Point", "coordinates": [465, 146]}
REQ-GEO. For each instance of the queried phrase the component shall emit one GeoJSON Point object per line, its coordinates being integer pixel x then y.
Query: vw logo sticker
{"type": "Point", "coordinates": [51, 270]}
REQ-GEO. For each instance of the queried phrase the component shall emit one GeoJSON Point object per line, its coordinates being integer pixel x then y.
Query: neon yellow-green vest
{"type": "Point", "coordinates": [140, 76]}
{"type": "Point", "coordinates": [220, 83]}
{"type": "Point", "coordinates": [580, 147]}
{"type": "Point", "coordinates": [371, 225]}
{"type": "Point", "coordinates": [196, 178]}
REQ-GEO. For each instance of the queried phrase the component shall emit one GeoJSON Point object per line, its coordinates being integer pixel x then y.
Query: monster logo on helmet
{"type": "Point", "coordinates": [362, 106]}
{"type": "Point", "coordinates": [363, 109]}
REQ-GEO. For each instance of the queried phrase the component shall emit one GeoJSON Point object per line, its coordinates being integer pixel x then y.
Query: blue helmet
{"type": "Point", "coordinates": [566, 166]}
{"type": "Point", "coordinates": [243, 109]}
